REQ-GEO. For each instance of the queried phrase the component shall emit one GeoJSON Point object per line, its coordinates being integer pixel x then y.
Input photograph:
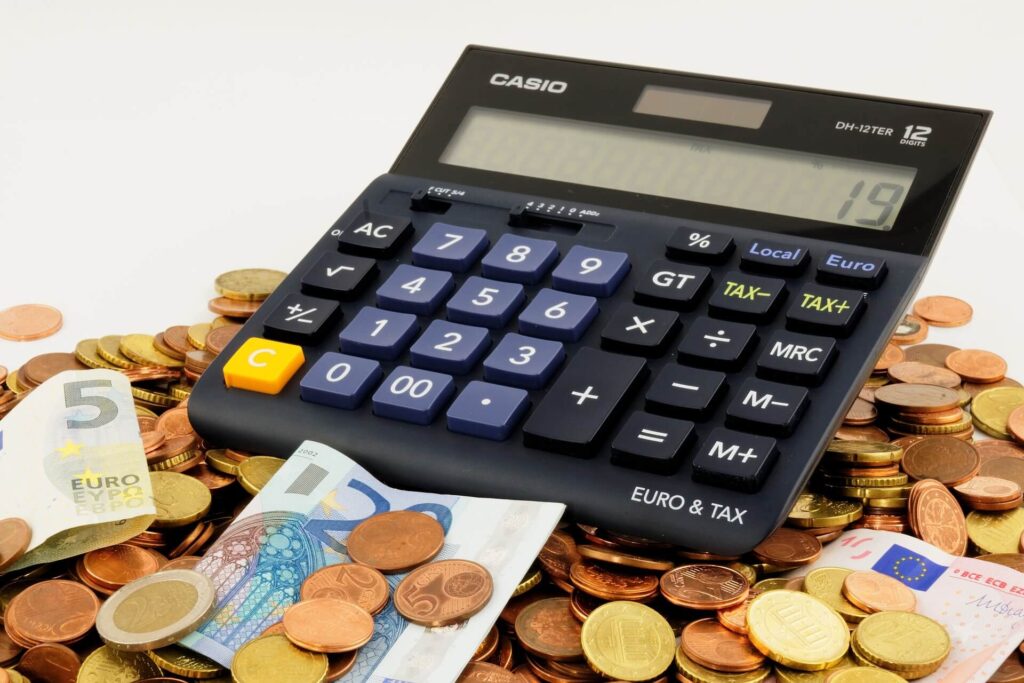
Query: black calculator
{"type": "Point", "coordinates": [649, 295]}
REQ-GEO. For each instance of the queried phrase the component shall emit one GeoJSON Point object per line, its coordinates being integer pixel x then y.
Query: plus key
{"type": "Point", "coordinates": [581, 405]}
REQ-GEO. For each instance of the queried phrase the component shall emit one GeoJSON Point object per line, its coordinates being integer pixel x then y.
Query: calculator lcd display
{"type": "Point", "coordinates": [805, 185]}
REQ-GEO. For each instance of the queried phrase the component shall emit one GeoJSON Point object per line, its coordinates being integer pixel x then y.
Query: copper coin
{"type": "Point", "coordinates": [28, 322]}
{"type": "Point", "coordinates": [975, 365]}
{"type": "Point", "coordinates": [183, 562]}
{"type": "Point", "coordinates": [50, 663]}
{"type": "Point", "coordinates": [788, 547]}
{"type": "Point", "coordinates": [990, 449]}
{"type": "Point", "coordinates": [975, 388]}
{"type": "Point", "coordinates": [175, 422]}
{"type": "Point", "coordinates": [558, 554]}
{"type": "Point", "coordinates": [327, 625]}
{"type": "Point", "coordinates": [910, 330]}
{"type": "Point", "coordinates": [1015, 423]}
{"type": "Point", "coordinates": [444, 592]}
{"type": "Point", "coordinates": [482, 672]}
{"type": "Point", "coordinates": [890, 355]}
{"type": "Point", "coordinates": [53, 611]}
{"type": "Point", "coordinates": [912, 372]}
{"type": "Point", "coordinates": [488, 646]}
{"type": "Point", "coordinates": [735, 618]}
{"type": "Point", "coordinates": [874, 592]}
{"type": "Point", "coordinates": [210, 478]}
{"type": "Point", "coordinates": [176, 337]}
{"type": "Point", "coordinates": [161, 345]}
{"type": "Point", "coordinates": [712, 645]}
{"type": "Point", "coordinates": [929, 354]}
{"type": "Point", "coordinates": [548, 629]}
{"type": "Point", "coordinates": [917, 398]}
{"type": "Point", "coordinates": [704, 587]}
{"type": "Point", "coordinates": [395, 542]}
{"type": "Point", "coordinates": [15, 537]}
{"type": "Point", "coordinates": [1010, 671]}
{"type": "Point", "coordinates": [946, 459]}
{"type": "Point", "coordinates": [510, 612]}
{"type": "Point", "coordinates": [233, 308]}
{"type": "Point", "coordinates": [989, 490]}
{"type": "Point", "coordinates": [9, 650]}
{"type": "Point", "coordinates": [861, 412]}
{"type": "Point", "coordinates": [220, 337]}
{"type": "Point", "coordinates": [624, 558]}
{"type": "Point", "coordinates": [3, 374]}
{"type": "Point", "coordinates": [1005, 468]}
{"type": "Point", "coordinates": [340, 664]}
{"type": "Point", "coordinates": [41, 368]}
{"type": "Point", "coordinates": [861, 433]}
{"type": "Point", "coordinates": [610, 582]}
{"type": "Point", "coordinates": [355, 583]}
{"type": "Point", "coordinates": [118, 565]}
{"type": "Point", "coordinates": [944, 311]}
{"type": "Point", "coordinates": [152, 440]}
{"type": "Point", "coordinates": [936, 517]}
{"type": "Point", "coordinates": [1011, 560]}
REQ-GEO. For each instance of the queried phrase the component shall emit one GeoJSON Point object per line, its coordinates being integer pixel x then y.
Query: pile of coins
{"type": "Point", "coordinates": [929, 448]}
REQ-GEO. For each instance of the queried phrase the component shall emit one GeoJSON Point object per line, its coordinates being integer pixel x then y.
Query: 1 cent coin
{"type": "Point", "coordinates": [704, 587]}
{"type": "Point", "coordinates": [874, 592]}
{"type": "Point", "coordinates": [548, 629]}
{"type": "Point", "coordinates": [917, 398]}
{"type": "Point", "coordinates": [395, 542]}
{"type": "Point", "coordinates": [710, 644]}
{"type": "Point", "coordinates": [946, 459]}
{"type": "Point", "coordinates": [328, 625]}
{"type": "Point", "coordinates": [15, 537]}
{"type": "Point", "coordinates": [443, 593]}
{"type": "Point", "coordinates": [28, 322]}
{"type": "Point", "coordinates": [788, 547]}
{"type": "Point", "coordinates": [356, 583]}
{"type": "Point", "coordinates": [944, 311]}
{"type": "Point", "coordinates": [975, 365]}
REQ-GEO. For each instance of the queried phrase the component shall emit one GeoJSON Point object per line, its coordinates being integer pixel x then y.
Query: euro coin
{"type": "Point", "coordinates": [826, 584]}
{"type": "Point", "coordinates": [699, 674]}
{"type": "Point", "coordinates": [182, 662]}
{"type": "Point", "coordinates": [865, 674]}
{"type": "Point", "coordinates": [254, 473]}
{"type": "Point", "coordinates": [264, 659]}
{"type": "Point", "coordinates": [909, 644]}
{"type": "Point", "coordinates": [797, 630]}
{"type": "Point", "coordinates": [327, 625]}
{"type": "Point", "coordinates": [628, 641]}
{"type": "Point", "coordinates": [355, 583]}
{"type": "Point", "coordinates": [156, 610]}
{"type": "Point", "coordinates": [548, 629]}
{"type": "Point", "coordinates": [249, 284]}
{"type": "Point", "coordinates": [996, 532]}
{"type": "Point", "coordinates": [179, 499]}
{"type": "Point", "coordinates": [874, 592]}
{"type": "Point", "coordinates": [107, 665]}
{"type": "Point", "coordinates": [15, 536]}
{"type": "Point", "coordinates": [393, 542]}
{"type": "Point", "coordinates": [443, 593]}
{"type": "Point", "coordinates": [813, 510]}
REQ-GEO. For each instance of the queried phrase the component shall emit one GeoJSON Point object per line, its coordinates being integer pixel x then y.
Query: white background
{"type": "Point", "coordinates": [146, 147]}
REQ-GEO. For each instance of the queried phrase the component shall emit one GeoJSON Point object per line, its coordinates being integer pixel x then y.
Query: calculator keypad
{"type": "Point", "coordinates": [504, 318]}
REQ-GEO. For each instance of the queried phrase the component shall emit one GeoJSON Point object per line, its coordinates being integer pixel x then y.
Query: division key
{"type": "Point", "coordinates": [584, 401]}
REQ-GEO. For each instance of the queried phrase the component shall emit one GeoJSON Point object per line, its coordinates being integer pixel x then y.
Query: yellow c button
{"type": "Point", "coordinates": [263, 365]}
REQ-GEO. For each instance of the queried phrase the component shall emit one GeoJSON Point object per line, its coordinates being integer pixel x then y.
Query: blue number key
{"type": "Point", "coordinates": [449, 347]}
{"type": "Point", "coordinates": [520, 259]}
{"type": "Point", "coordinates": [557, 315]}
{"type": "Point", "coordinates": [523, 361]}
{"type": "Point", "coordinates": [450, 247]}
{"type": "Point", "coordinates": [489, 411]}
{"type": "Point", "coordinates": [591, 271]}
{"type": "Point", "coordinates": [380, 334]}
{"type": "Point", "coordinates": [415, 290]}
{"type": "Point", "coordinates": [412, 395]}
{"type": "Point", "coordinates": [340, 381]}
{"type": "Point", "coordinates": [490, 303]}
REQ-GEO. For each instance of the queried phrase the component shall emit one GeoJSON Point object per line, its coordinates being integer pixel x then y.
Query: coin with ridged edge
{"type": "Point", "coordinates": [907, 643]}
{"type": "Point", "coordinates": [865, 674]}
{"type": "Point", "coordinates": [826, 584]}
{"type": "Point", "coordinates": [274, 659]}
{"type": "Point", "coordinates": [996, 532]}
{"type": "Point", "coordinates": [547, 628]}
{"type": "Point", "coordinates": [107, 665]}
{"type": "Point", "coordinates": [699, 674]}
{"type": "Point", "coordinates": [249, 284]}
{"type": "Point", "coordinates": [813, 510]}
{"type": "Point", "coordinates": [797, 630]}
{"type": "Point", "coordinates": [179, 499]}
{"type": "Point", "coordinates": [628, 641]}
{"type": "Point", "coordinates": [254, 473]}
{"type": "Point", "coordinates": [178, 660]}
{"type": "Point", "coordinates": [156, 610]}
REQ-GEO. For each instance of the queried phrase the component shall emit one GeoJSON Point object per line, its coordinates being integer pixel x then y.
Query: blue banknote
{"type": "Point", "coordinates": [299, 523]}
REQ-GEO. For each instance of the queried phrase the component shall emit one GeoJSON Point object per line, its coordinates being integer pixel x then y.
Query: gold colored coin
{"type": "Point", "coordinates": [786, 675]}
{"type": "Point", "coordinates": [274, 659]}
{"type": "Point", "coordinates": [107, 665]}
{"type": "Point", "coordinates": [865, 674]}
{"type": "Point", "coordinates": [813, 510]}
{"type": "Point", "coordinates": [249, 284]}
{"type": "Point", "coordinates": [904, 642]}
{"type": "Point", "coordinates": [992, 408]}
{"type": "Point", "coordinates": [868, 452]}
{"type": "Point", "coordinates": [699, 674]}
{"type": "Point", "coordinates": [628, 641]}
{"type": "Point", "coordinates": [109, 349]}
{"type": "Point", "coordinates": [197, 335]}
{"type": "Point", "coordinates": [626, 559]}
{"type": "Point", "coordinates": [797, 630]}
{"type": "Point", "coordinates": [177, 660]}
{"type": "Point", "coordinates": [179, 499]}
{"type": "Point", "coordinates": [770, 584]}
{"type": "Point", "coordinates": [530, 581]}
{"type": "Point", "coordinates": [139, 348]}
{"type": "Point", "coordinates": [87, 353]}
{"type": "Point", "coordinates": [996, 532]}
{"type": "Point", "coordinates": [826, 584]}
{"type": "Point", "coordinates": [255, 472]}
{"type": "Point", "coordinates": [218, 460]}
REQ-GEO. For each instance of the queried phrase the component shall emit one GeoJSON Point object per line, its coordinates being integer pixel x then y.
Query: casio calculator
{"type": "Point", "coordinates": [647, 294]}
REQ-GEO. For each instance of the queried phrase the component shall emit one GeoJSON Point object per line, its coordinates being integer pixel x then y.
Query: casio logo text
{"type": "Point", "coordinates": [529, 83]}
